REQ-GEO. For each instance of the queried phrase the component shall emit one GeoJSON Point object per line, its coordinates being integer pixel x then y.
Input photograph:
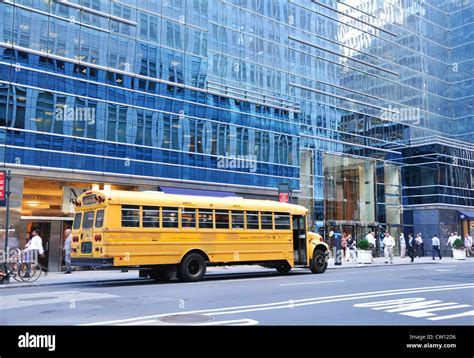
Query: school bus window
{"type": "Point", "coordinates": [99, 218]}
{"type": "Point", "coordinates": [77, 221]}
{"type": "Point", "coordinates": [266, 218]}
{"type": "Point", "coordinates": [188, 218]}
{"type": "Point", "coordinates": [169, 217]}
{"type": "Point", "coordinates": [222, 219]}
{"type": "Point", "coordinates": [151, 216]}
{"type": "Point", "coordinates": [88, 220]}
{"type": "Point", "coordinates": [205, 219]}
{"type": "Point", "coordinates": [130, 216]}
{"type": "Point", "coordinates": [237, 219]}
{"type": "Point", "coordinates": [252, 220]}
{"type": "Point", "coordinates": [282, 221]}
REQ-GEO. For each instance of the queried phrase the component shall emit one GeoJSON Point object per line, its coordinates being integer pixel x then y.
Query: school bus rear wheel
{"type": "Point", "coordinates": [192, 268]}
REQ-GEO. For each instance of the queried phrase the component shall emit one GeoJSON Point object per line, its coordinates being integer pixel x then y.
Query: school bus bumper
{"type": "Point", "coordinates": [89, 261]}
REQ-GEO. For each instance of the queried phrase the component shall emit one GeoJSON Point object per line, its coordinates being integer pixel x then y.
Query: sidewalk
{"type": "Point", "coordinates": [398, 261]}
{"type": "Point", "coordinates": [80, 277]}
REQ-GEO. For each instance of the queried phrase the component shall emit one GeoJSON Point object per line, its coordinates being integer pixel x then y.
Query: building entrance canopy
{"type": "Point", "coordinates": [466, 215]}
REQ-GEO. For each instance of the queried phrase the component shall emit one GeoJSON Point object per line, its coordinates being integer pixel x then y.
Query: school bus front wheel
{"type": "Point", "coordinates": [319, 262]}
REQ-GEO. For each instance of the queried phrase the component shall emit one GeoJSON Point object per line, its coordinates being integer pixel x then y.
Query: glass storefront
{"type": "Point", "coordinates": [349, 194]}
{"type": "Point", "coordinates": [45, 205]}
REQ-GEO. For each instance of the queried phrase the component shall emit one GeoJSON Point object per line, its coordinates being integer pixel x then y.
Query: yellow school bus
{"type": "Point", "coordinates": [169, 235]}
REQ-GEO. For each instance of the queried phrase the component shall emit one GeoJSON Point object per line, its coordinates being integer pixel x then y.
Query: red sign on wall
{"type": "Point", "coordinates": [3, 176]}
{"type": "Point", "coordinates": [284, 197]}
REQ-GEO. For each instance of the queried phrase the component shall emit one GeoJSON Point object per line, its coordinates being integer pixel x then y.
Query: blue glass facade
{"type": "Point", "coordinates": [176, 85]}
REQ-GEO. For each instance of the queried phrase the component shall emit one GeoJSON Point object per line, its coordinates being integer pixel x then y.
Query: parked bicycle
{"type": "Point", "coordinates": [21, 268]}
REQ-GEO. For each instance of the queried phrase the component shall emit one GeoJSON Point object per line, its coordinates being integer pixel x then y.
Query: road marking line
{"type": "Point", "coordinates": [417, 307]}
{"type": "Point", "coordinates": [138, 323]}
{"type": "Point", "coordinates": [297, 303]}
{"type": "Point", "coordinates": [234, 322]}
{"type": "Point", "coordinates": [457, 315]}
{"type": "Point", "coordinates": [309, 283]}
{"type": "Point", "coordinates": [292, 304]}
{"type": "Point", "coordinates": [427, 312]}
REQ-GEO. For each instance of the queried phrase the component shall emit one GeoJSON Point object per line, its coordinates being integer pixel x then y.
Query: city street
{"type": "Point", "coordinates": [427, 293]}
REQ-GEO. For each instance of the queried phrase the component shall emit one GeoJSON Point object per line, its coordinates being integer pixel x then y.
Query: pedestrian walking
{"type": "Point", "coordinates": [344, 245]}
{"type": "Point", "coordinates": [67, 250]}
{"type": "Point", "coordinates": [370, 237]}
{"type": "Point", "coordinates": [468, 244]}
{"type": "Point", "coordinates": [403, 245]}
{"type": "Point", "coordinates": [331, 239]}
{"type": "Point", "coordinates": [411, 247]}
{"type": "Point", "coordinates": [381, 245]}
{"type": "Point", "coordinates": [419, 245]}
{"type": "Point", "coordinates": [435, 247]}
{"type": "Point", "coordinates": [351, 244]}
{"type": "Point", "coordinates": [34, 250]}
{"type": "Point", "coordinates": [388, 243]}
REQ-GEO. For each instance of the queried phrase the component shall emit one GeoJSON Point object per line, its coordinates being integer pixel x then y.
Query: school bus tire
{"type": "Point", "coordinates": [192, 268]}
{"type": "Point", "coordinates": [319, 262]}
{"type": "Point", "coordinates": [283, 268]}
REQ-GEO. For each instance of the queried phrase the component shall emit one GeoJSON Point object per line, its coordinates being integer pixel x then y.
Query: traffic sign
{"type": "Point", "coordinates": [3, 176]}
{"type": "Point", "coordinates": [284, 197]}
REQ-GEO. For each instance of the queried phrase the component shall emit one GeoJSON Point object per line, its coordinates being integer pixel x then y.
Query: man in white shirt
{"type": "Point", "coordinates": [435, 246]}
{"type": "Point", "coordinates": [34, 249]}
{"type": "Point", "coordinates": [419, 246]}
{"type": "Point", "coordinates": [371, 239]}
{"type": "Point", "coordinates": [403, 245]}
{"type": "Point", "coordinates": [67, 250]}
{"type": "Point", "coordinates": [388, 243]}
{"type": "Point", "coordinates": [468, 244]}
{"type": "Point", "coordinates": [451, 239]}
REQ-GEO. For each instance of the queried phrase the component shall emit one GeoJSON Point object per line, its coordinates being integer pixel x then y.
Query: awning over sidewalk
{"type": "Point", "coordinates": [466, 215]}
{"type": "Point", "coordinates": [183, 191]}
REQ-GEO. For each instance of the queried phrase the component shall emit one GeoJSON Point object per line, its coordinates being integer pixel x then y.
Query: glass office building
{"type": "Point", "coordinates": [364, 107]}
